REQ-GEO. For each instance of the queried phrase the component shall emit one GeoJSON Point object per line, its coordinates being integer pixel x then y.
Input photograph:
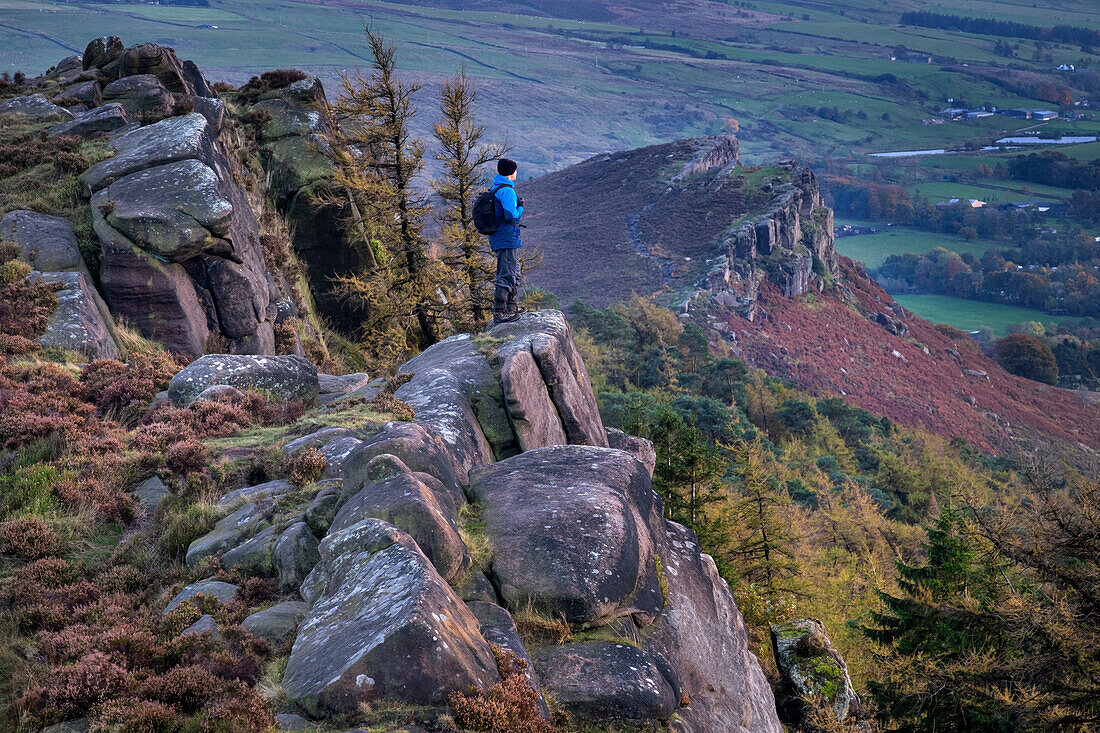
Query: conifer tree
{"type": "Point", "coordinates": [763, 548]}
{"type": "Point", "coordinates": [462, 153]}
{"type": "Point", "coordinates": [377, 160]}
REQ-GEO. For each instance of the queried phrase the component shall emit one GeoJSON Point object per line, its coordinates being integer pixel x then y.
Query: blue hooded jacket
{"type": "Point", "coordinates": [509, 211]}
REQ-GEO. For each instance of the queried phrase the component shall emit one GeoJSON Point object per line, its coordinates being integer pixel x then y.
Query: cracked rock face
{"type": "Point", "coordinates": [376, 599]}
{"type": "Point", "coordinates": [174, 211]}
{"type": "Point", "coordinates": [569, 527]}
{"type": "Point", "coordinates": [80, 322]}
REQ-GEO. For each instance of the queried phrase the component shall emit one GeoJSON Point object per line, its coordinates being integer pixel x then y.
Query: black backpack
{"type": "Point", "coordinates": [485, 211]}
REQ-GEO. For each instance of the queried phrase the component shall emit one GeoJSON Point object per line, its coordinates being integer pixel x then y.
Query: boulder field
{"type": "Point", "coordinates": [396, 597]}
{"type": "Point", "coordinates": [180, 253]}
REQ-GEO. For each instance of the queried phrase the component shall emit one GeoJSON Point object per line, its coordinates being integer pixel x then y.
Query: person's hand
{"type": "Point", "coordinates": [519, 201]}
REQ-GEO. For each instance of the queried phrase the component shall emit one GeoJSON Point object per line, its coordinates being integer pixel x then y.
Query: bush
{"type": "Point", "coordinates": [180, 528]}
{"type": "Point", "coordinates": [29, 490]}
{"type": "Point", "coordinates": [186, 456]}
{"type": "Point", "coordinates": [1028, 357]}
{"type": "Point", "coordinates": [277, 79]}
{"type": "Point", "coordinates": [306, 466]}
{"type": "Point", "coordinates": [134, 716]}
{"type": "Point", "coordinates": [510, 705]}
{"type": "Point", "coordinates": [30, 539]}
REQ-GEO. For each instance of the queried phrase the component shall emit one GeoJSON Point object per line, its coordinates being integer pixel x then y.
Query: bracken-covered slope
{"type": "Point", "coordinates": [627, 222]}
{"type": "Point", "coordinates": [748, 252]}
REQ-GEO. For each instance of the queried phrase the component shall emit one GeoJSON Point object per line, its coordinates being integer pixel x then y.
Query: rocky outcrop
{"type": "Point", "coordinates": [34, 107]}
{"type": "Point", "coordinates": [791, 245]}
{"type": "Point", "coordinates": [286, 377]}
{"type": "Point", "coordinates": [487, 405]}
{"type": "Point", "coordinates": [811, 667]}
{"type": "Point", "coordinates": [46, 243]}
{"type": "Point", "coordinates": [382, 624]}
{"type": "Point", "coordinates": [292, 145]}
{"type": "Point", "coordinates": [571, 532]}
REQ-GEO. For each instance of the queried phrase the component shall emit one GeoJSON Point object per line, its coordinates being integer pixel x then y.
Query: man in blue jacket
{"type": "Point", "coordinates": [505, 242]}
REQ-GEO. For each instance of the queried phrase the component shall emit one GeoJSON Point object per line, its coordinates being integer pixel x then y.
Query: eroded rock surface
{"type": "Point", "coordinates": [382, 624]}
{"type": "Point", "coordinates": [80, 322]}
{"type": "Point", "coordinates": [286, 377]}
{"type": "Point", "coordinates": [811, 667]}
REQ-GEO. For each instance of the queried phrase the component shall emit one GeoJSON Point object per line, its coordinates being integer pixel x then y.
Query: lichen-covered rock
{"type": "Point", "coordinates": [322, 510]}
{"type": "Point", "coordinates": [640, 448]}
{"type": "Point", "coordinates": [701, 644]}
{"type": "Point", "coordinates": [546, 336]}
{"type": "Point", "coordinates": [603, 681]}
{"type": "Point", "coordinates": [455, 392]}
{"type": "Point", "coordinates": [407, 500]}
{"type": "Point", "coordinates": [229, 532]}
{"type": "Point", "coordinates": [223, 592]}
{"type": "Point", "coordinates": [286, 377]}
{"type": "Point", "coordinates": [34, 107]}
{"type": "Point", "coordinates": [811, 667]}
{"type": "Point", "coordinates": [157, 298]}
{"type": "Point", "coordinates": [295, 555]}
{"type": "Point", "coordinates": [267, 490]}
{"type": "Point", "coordinates": [108, 118]}
{"type": "Point", "coordinates": [80, 322]}
{"type": "Point", "coordinates": [278, 622]}
{"type": "Point", "coordinates": [101, 52]}
{"type": "Point", "coordinates": [335, 444]}
{"type": "Point", "coordinates": [46, 243]}
{"type": "Point", "coordinates": [419, 447]}
{"type": "Point", "coordinates": [143, 96]}
{"type": "Point", "coordinates": [534, 417]}
{"type": "Point", "coordinates": [167, 141]}
{"type": "Point", "coordinates": [254, 556]}
{"type": "Point", "coordinates": [569, 527]}
{"type": "Point", "coordinates": [382, 624]}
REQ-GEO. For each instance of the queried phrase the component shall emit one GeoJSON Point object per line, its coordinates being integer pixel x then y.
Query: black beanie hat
{"type": "Point", "coordinates": [506, 167]}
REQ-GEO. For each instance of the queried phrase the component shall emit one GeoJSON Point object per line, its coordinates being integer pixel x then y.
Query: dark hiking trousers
{"type": "Point", "coordinates": [507, 271]}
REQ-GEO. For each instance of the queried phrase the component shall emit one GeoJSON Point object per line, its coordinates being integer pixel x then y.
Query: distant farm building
{"type": "Point", "coordinates": [972, 203]}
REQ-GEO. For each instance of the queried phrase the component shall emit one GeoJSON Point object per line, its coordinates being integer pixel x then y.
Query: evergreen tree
{"type": "Point", "coordinates": [462, 153]}
{"type": "Point", "coordinates": [763, 548]}
{"type": "Point", "coordinates": [377, 159]}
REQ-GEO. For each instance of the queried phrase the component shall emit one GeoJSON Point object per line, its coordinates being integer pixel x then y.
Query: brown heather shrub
{"type": "Point", "coordinates": [276, 79]}
{"type": "Point", "coordinates": [509, 706]}
{"type": "Point", "coordinates": [132, 715]}
{"type": "Point", "coordinates": [241, 710]}
{"type": "Point", "coordinates": [306, 466]}
{"type": "Point", "coordinates": [25, 308]}
{"type": "Point", "coordinates": [72, 690]}
{"type": "Point", "coordinates": [123, 391]}
{"type": "Point", "coordinates": [186, 456]}
{"type": "Point", "coordinates": [184, 687]}
{"type": "Point", "coordinates": [30, 539]}
{"type": "Point", "coordinates": [30, 149]}
{"type": "Point", "coordinates": [40, 400]}
{"type": "Point", "coordinates": [108, 501]}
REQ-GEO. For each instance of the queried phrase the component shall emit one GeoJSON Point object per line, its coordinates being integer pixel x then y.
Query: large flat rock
{"type": "Point", "coordinates": [382, 624]}
{"type": "Point", "coordinates": [34, 107]}
{"type": "Point", "coordinates": [569, 527]}
{"type": "Point", "coordinates": [286, 377]}
{"type": "Point", "coordinates": [174, 210]}
{"type": "Point", "coordinates": [167, 141]}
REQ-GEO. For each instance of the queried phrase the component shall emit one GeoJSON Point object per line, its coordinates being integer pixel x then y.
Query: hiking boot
{"type": "Point", "coordinates": [501, 312]}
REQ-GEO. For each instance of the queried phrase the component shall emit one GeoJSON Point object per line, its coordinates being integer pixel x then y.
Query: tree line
{"type": "Point", "coordinates": [991, 27]}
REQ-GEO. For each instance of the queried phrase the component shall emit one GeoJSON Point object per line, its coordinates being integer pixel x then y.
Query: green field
{"type": "Point", "coordinates": [970, 315]}
{"type": "Point", "coordinates": [873, 249]}
{"type": "Point", "coordinates": [562, 89]}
